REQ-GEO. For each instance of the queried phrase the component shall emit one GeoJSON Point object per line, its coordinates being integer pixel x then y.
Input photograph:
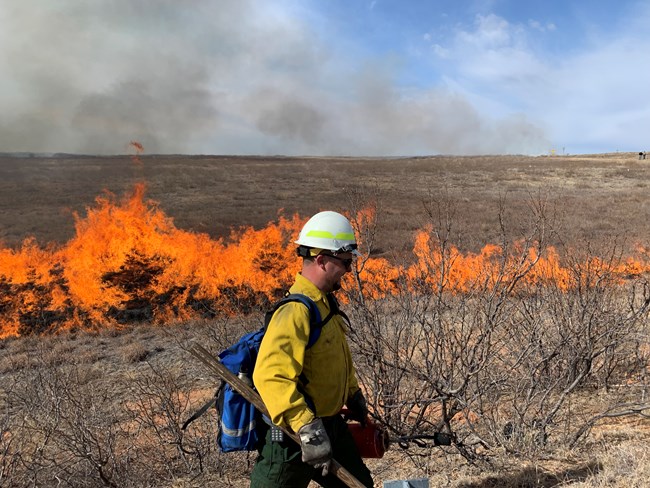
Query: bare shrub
{"type": "Point", "coordinates": [69, 435]}
{"type": "Point", "coordinates": [9, 457]}
{"type": "Point", "coordinates": [587, 336]}
{"type": "Point", "coordinates": [63, 424]}
{"type": "Point", "coordinates": [156, 413]}
{"type": "Point", "coordinates": [498, 363]}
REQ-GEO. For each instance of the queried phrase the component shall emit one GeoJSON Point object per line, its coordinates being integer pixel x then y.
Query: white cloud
{"type": "Point", "coordinates": [593, 98]}
{"type": "Point", "coordinates": [491, 32]}
{"type": "Point", "coordinates": [539, 26]}
{"type": "Point", "coordinates": [601, 96]}
{"type": "Point", "coordinates": [440, 51]}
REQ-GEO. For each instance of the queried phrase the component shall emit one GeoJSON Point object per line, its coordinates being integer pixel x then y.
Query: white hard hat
{"type": "Point", "coordinates": [328, 230]}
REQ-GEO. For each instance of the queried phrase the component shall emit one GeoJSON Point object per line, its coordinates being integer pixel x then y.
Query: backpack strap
{"type": "Point", "coordinates": [212, 401]}
{"type": "Point", "coordinates": [315, 321]}
{"type": "Point", "coordinates": [335, 310]}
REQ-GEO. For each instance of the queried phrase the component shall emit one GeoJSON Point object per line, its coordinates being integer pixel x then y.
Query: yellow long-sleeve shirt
{"type": "Point", "coordinates": [283, 362]}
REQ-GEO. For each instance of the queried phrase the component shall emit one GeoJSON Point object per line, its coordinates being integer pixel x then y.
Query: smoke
{"type": "Point", "coordinates": [234, 76]}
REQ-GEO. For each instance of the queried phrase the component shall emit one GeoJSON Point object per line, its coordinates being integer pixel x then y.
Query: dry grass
{"type": "Point", "coordinates": [141, 381]}
{"type": "Point", "coordinates": [597, 197]}
{"type": "Point", "coordinates": [127, 390]}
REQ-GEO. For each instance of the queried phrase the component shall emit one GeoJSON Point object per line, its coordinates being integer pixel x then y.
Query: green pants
{"type": "Point", "coordinates": [279, 464]}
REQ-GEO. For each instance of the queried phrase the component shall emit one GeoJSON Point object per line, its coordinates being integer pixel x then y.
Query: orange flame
{"type": "Point", "coordinates": [139, 149]}
{"type": "Point", "coordinates": [128, 262]}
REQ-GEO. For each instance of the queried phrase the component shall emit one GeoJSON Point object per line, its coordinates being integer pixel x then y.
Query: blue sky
{"type": "Point", "coordinates": [325, 77]}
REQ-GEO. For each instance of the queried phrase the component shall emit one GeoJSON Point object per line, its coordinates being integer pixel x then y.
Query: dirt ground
{"type": "Point", "coordinates": [592, 199]}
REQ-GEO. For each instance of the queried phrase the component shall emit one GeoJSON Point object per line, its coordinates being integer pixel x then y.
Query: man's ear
{"type": "Point", "coordinates": [320, 261]}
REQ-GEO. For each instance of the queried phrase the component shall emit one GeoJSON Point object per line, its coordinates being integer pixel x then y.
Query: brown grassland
{"type": "Point", "coordinates": [599, 197]}
{"type": "Point", "coordinates": [103, 408]}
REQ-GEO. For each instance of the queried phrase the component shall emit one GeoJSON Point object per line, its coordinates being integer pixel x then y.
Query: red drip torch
{"type": "Point", "coordinates": [371, 440]}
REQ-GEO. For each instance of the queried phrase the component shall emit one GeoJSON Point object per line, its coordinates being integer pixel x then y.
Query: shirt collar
{"type": "Point", "coordinates": [306, 287]}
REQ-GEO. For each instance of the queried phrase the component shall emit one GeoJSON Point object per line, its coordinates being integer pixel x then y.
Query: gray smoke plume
{"type": "Point", "coordinates": [226, 77]}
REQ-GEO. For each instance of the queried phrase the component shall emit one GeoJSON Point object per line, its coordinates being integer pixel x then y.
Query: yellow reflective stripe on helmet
{"type": "Point", "coordinates": [346, 236]}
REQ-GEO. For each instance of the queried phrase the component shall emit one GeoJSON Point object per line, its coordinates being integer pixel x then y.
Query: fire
{"type": "Point", "coordinates": [139, 149]}
{"type": "Point", "coordinates": [128, 262]}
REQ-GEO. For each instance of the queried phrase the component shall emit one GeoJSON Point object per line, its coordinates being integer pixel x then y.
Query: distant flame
{"type": "Point", "coordinates": [139, 149]}
{"type": "Point", "coordinates": [128, 262]}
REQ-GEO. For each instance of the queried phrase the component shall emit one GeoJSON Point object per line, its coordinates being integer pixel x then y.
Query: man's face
{"type": "Point", "coordinates": [336, 267]}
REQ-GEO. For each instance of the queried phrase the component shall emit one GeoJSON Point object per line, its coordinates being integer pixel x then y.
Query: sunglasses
{"type": "Point", "coordinates": [346, 262]}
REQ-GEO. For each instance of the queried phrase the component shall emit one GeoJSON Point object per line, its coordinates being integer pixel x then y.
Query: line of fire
{"type": "Point", "coordinates": [128, 263]}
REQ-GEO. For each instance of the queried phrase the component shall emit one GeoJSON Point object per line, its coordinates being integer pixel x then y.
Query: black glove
{"type": "Point", "coordinates": [358, 409]}
{"type": "Point", "coordinates": [315, 445]}
{"type": "Point", "coordinates": [442, 439]}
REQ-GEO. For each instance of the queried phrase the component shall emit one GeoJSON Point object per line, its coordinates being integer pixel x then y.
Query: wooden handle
{"type": "Point", "coordinates": [252, 396]}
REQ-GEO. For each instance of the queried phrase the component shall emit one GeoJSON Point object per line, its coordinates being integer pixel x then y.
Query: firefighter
{"type": "Point", "coordinates": [304, 388]}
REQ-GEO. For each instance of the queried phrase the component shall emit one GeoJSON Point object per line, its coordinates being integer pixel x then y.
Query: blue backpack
{"type": "Point", "coordinates": [241, 426]}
